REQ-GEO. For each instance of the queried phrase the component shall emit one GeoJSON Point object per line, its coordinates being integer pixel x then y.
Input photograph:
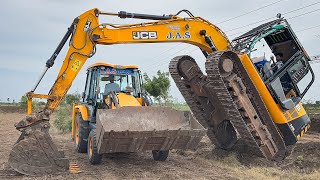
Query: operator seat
{"type": "Point", "coordinates": [111, 87]}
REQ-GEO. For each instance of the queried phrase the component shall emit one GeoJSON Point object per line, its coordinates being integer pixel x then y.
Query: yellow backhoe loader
{"type": "Point", "coordinates": [236, 98]}
{"type": "Point", "coordinates": [115, 116]}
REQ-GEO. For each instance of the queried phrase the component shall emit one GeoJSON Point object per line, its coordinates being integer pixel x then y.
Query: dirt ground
{"type": "Point", "coordinates": [204, 163]}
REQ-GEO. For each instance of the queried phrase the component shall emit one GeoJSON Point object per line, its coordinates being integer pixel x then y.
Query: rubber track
{"type": "Point", "coordinates": [192, 100]}
{"type": "Point", "coordinates": [239, 119]}
{"type": "Point", "coordinates": [216, 84]}
{"type": "Point", "coordinates": [262, 110]}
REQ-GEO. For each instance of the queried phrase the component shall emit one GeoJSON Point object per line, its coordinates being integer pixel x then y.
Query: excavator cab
{"type": "Point", "coordinates": [287, 75]}
{"type": "Point", "coordinates": [115, 116]}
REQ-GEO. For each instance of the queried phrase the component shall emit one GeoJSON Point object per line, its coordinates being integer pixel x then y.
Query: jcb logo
{"type": "Point", "coordinates": [144, 35]}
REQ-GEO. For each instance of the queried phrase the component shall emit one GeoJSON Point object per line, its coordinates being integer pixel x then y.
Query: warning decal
{"type": "Point", "coordinates": [75, 66]}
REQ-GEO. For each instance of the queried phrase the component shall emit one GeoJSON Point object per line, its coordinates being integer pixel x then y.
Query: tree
{"type": "Point", "coordinates": [24, 101]}
{"type": "Point", "coordinates": [158, 86]}
{"type": "Point", "coordinates": [72, 98]}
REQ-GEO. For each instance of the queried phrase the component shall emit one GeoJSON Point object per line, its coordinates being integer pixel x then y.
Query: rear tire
{"type": "Point", "coordinates": [160, 155]}
{"type": "Point", "coordinates": [93, 155]}
{"type": "Point", "coordinates": [81, 134]}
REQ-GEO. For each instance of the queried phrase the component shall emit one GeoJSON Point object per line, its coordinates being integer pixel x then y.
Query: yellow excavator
{"type": "Point", "coordinates": [236, 98]}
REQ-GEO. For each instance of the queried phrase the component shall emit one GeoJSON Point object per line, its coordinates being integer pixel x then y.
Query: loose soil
{"type": "Point", "coordinates": [204, 163]}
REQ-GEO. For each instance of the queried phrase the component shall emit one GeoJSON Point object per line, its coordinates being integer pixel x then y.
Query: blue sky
{"type": "Point", "coordinates": [31, 30]}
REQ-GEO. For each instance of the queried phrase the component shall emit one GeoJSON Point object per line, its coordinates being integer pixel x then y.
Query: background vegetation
{"type": "Point", "coordinates": [158, 86]}
{"type": "Point", "coordinates": [64, 113]}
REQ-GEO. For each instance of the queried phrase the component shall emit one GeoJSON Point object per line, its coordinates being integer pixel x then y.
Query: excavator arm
{"type": "Point", "coordinates": [86, 32]}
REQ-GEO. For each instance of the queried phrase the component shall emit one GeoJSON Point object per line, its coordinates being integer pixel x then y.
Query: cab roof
{"type": "Point", "coordinates": [99, 64]}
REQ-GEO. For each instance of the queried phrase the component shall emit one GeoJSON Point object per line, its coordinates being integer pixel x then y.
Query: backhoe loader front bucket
{"type": "Point", "coordinates": [134, 129]}
{"type": "Point", "coordinates": [35, 154]}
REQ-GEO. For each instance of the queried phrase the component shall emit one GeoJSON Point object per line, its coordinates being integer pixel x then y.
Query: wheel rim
{"type": "Point", "coordinates": [90, 147]}
{"type": "Point", "coordinates": [76, 127]}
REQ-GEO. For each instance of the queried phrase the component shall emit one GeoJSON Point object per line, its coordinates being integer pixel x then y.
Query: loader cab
{"type": "Point", "coordinates": [287, 73]}
{"type": "Point", "coordinates": [102, 78]}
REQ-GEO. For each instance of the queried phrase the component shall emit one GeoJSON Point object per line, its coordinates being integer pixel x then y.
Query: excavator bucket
{"type": "Point", "coordinates": [134, 129]}
{"type": "Point", "coordinates": [35, 154]}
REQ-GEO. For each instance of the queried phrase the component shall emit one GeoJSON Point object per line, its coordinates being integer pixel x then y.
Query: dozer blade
{"type": "Point", "coordinates": [35, 154]}
{"type": "Point", "coordinates": [134, 129]}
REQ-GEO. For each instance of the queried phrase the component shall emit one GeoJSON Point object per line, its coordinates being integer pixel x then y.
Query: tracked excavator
{"type": "Point", "coordinates": [234, 99]}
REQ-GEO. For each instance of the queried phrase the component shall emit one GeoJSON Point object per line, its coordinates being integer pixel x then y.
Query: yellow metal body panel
{"type": "Point", "coordinates": [139, 100]}
{"type": "Point", "coordinates": [126, 100]}
{"type": "Point", "coordinates": [175, 30]}
{"type": "Point", "coordinates": [83, 110]}
{"type": "Point", "coordinates": [29, 106]}
{"type": "Point", "coordinates": [73, 120]}
{"type": "Point", "coordinates": [80, 49]}
{"type": "Point", "coordinates": [278, 115]}
{"type": "Point", "coordinates": [84, 113]}
{"type": "Point", "coordinates": [31, 95]}
{"type": "Point", "coordinates": [295, 112]}
{"type": "Point", "coordinates": [113, 65]}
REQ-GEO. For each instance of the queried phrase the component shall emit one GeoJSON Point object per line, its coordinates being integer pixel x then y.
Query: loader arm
{"type": "Point", "coordinates": [34, 152]}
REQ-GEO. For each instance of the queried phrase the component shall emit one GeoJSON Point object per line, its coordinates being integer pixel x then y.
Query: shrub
{"type": "Point", "coordinates": [24, 101]}
{"type": "Point", "coordinates": [72, 98]}
{"type": "Point", "coordinates": [63, 120]}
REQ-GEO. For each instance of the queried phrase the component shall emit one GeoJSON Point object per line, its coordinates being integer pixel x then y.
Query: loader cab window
{"type": "Point", "coordinates": [127, 80]}
{"type": "Point", "coordinates": [91, 82]}
{"type": "Point", "coordinates": [87, 87]}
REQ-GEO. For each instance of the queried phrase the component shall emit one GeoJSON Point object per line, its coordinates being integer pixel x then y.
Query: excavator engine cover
{"type": "Point", "coordinates": [134, 129]}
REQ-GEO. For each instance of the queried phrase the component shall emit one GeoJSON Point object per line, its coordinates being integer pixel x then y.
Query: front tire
{"type": "Point", "coordinates": [81, 134]}
{"type": "Point", "coordinates": [93, 155]}
{"type": "Point", "coordinates": [160, 155]}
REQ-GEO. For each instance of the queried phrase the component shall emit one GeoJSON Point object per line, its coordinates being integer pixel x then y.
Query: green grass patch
{"type": "Point", "coordinates": [177, 106]}
{"type": "Point", "coordinates": [63, 120]}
